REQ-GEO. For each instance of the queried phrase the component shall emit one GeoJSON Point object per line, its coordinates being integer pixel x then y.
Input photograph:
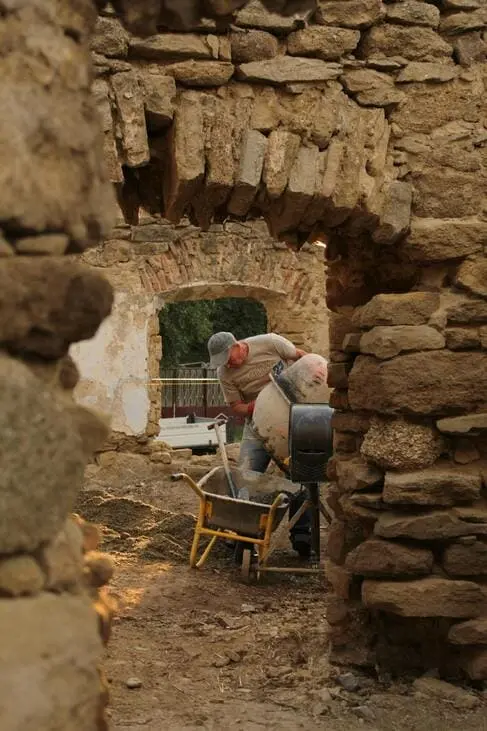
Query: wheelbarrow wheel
{"type": "Point", "coordinates": [246, 565]}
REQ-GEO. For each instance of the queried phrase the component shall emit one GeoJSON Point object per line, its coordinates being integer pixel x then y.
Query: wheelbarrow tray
{"type": "Point", "coordinates": [262, 488]}
{"type": "Point", "coordinates": [243, 517]}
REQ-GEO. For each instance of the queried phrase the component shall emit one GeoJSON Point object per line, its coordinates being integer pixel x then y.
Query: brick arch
{"type": "Point", "coordinates": [237, 260]}
{"type": "Point", "coordinates": [249, 259]}
{"type": "Point", "coordinates": [242, 260]}
{"type": "Point", "coordinates": [218, 290]}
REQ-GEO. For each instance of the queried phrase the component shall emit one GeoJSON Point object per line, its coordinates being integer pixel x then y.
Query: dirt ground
{"type": "Point", "coordinates": [208, 652]}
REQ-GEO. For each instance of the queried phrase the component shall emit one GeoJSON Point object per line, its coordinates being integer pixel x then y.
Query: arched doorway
{"type": "Point", "coordinates": [234, 260]}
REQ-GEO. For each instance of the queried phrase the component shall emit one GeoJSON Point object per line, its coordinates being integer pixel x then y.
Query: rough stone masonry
{"type": "Point", "coordinates": [359, 120]}
{"type": "Point", "coordinates": [364, 123]}
{"type": "Point", "coordinates": [155, 262]}
{"type": "Point", "coordinates": [55, 202]}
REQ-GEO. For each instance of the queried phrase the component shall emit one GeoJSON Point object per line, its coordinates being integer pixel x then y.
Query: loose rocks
{"type": "Point", "coordinates": [37, 437]}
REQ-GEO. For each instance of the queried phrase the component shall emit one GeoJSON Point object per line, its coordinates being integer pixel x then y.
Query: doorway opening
{"type": "Point", "coordinates": [189, 387]}
{"type": "Point", "coordinates": [186, 326]}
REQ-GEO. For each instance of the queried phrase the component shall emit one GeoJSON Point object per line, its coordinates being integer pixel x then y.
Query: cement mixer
{"type": "Point", "coordinates": [303, 382]}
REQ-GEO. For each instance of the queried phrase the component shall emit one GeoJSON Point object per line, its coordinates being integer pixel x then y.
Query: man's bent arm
{"type": "Point", "coordinates": [285, 348]}
{"type": "Point", "coordinates": [242, 409]}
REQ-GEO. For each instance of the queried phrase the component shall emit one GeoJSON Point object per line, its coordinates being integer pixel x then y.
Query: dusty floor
{"type": "Point", "coordinates": [211, 653]}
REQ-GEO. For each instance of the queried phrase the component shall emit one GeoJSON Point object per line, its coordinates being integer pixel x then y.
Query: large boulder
{"type": "Point", "coordinates": [467, 425]}
{"type": "Point", "coordinates": [461, 309]}
{"type": "Point", "coordinates": [201, 73]}
{"type": "Point", "coordinates": [329, 43]}
{"type": "Point", "coordinates": [412, 12]}
{"type": "Point", "coordinates": [411, 308]}
{"type": "Point", "coordinates": [441, 484]}
{"type": "Point", "coordinates": [38, 441]}
{"type": "Point", "coordinates": [472, 275]}
{"type": "Point", "coordinates": [432, 525]}
{"type": "Point", "coordinates": [47, 303]}
{"type": "Point", "coordinates": [379, 558]}
{"type": "Point", "coordinates": [355, 474]}
{"type": "Point", "coordinates": [289, 69]}
{"type": "Point", "coordinates": [110, 38]}
{"type": "Point", "coordinates": [428, 597]}
{"type": "Point", "coordinates": [372, 88]}
{"type": "Point", "coordinates": [254, 45]}
{"type": "Point", "coordinates": [52, 169]}
{"type": "Point", "coordinates": [20, 576]}
{"type": "Point", "coordinates": [415, 383]}
{"type": "Point", "coordinates": [352, 14]}
{"type": "Point", "coordinates": [51, 643]}
{"type": "Point", "coordinates": [414, 43]}
{"type": "Point", "coordinates": [386, 342]}
{"type": "Point", "coordinates": [166, 46]}
{"type": "Point", "coordinates": [433, 239]}
{"type": "Point", "coordinates": [474, 662]}
{"type": "Point", "coordinates": [425, 71]}
{"type": "Point", "coordinates": [472, 632]}
{"type": "Point", "coordinates": [468, 559]}
{"type": "Point", "coordinates": [263, 15]}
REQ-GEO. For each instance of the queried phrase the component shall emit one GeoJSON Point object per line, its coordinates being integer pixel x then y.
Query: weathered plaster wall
{"type": "Point", "coordinates": [156, 262]}
{"type": "Point", "coordinates": [114, 365]}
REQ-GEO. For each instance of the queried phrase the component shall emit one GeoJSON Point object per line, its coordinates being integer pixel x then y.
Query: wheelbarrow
{"type": "Point", "coordinates": [249, 522]}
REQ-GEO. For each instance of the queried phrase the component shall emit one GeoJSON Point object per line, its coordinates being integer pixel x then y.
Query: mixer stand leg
{"type": "Point", "coordinates": [314, 497]}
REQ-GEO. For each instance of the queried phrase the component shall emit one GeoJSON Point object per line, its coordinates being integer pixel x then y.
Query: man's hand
{"type": "Point", "coordinates": [242, 409]}
{"type": "Point", "coordinates": [300, 353]}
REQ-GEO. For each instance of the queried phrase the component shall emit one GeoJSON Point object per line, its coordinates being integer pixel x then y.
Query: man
{"type": "Point", "coordinates": [244, 368]}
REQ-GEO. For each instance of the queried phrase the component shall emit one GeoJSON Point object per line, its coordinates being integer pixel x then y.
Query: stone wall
{"type": "Point", "coordinates": [55, 202]}
{"type": "Point", "coordinates": [361, 122]}
{"type": "Point", "coordinates": [344, 136]}
{"type": "Point", "coordinates": [155, 262]}
{"type": "Point", "coordinates": [267, 116]}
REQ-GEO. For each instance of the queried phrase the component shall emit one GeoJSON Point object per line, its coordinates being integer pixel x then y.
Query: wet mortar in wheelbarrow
{"type": "Point", "coordinates": [250, 523]}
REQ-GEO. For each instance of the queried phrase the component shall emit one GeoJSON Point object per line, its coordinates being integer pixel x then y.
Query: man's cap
{"type": "Point", "coordinates": [219, 348]}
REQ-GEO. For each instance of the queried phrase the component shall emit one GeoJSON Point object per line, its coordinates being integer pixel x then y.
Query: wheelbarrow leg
{"type": "Point", "coordinates": [314, 497]}
{"type": "Point", "coordinates": [205, 553]}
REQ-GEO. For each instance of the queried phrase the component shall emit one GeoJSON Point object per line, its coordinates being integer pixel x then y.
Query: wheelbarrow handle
{"type": "Point", "coordinates": [182, 476]}
{"type": "Point", "coordinates": [217, 423]}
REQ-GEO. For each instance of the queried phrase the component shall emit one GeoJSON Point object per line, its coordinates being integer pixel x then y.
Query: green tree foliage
{"type": "Point", "coordinates": [186, 326]}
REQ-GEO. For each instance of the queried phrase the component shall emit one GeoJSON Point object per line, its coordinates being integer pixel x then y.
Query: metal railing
{"type": "Point", "coordinates": [190, 387]}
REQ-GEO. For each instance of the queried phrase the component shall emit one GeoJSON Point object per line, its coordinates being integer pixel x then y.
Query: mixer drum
{"type": "Point", "coordinates": [304, 382]}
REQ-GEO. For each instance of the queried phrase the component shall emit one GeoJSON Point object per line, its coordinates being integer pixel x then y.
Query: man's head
{"type": "Point", "coordinates": [219, 348]}
{"type": "Point", "coordinates": [225, 349]}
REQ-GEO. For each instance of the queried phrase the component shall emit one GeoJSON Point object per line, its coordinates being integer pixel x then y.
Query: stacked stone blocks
{"type": "Point", "coordinates": [410, 467]}
{"type": "Point", "coordinates": [55, 203]}
{"type": "Point", "coordinates": [362, 123]}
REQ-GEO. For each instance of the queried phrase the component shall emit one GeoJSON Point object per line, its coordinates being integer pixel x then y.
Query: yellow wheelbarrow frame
{"type": "Point", "coordinates": [231, 517]}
